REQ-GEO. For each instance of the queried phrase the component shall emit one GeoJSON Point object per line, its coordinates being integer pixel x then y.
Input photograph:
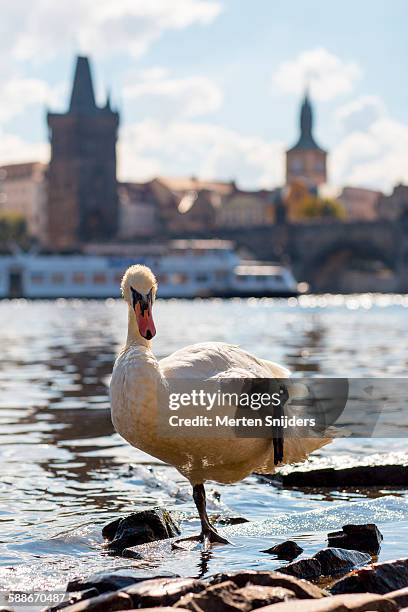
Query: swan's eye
{"type": "Point", "coordinates": [136, 296]}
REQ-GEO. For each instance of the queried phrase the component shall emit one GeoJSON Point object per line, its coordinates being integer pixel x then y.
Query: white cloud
{"type": "Point", "coordinates": [360, 113]}
{"type": "Point", "coordinates": [18, 94]}
{"type": "Point", "coordinates": [376, 157]}
{"type": "Point", "coordinates": [327, 75]}
{"type": "Point", "coordinates": [206, 150]}
{"type": "Point", "coordinates": [172, 97]}
{"type": "Point", "coordinates": [119, 26]}
{"type": "Point", "coordinates": [14, 149]}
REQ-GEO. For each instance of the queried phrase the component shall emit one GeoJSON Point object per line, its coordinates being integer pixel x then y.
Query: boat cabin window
{"type": "Point", "coordinates": [201, 278]}
{"type": "Point", "coordinates": [37, 278]}
{"type": "Point", "coordinates": [57, 278]}
{"type": "Point", "coordinates": [179, 278]}
{"type": "Point", "coordinates": [78, 278]}
{"type": "Point", "coordinates": [99, 278]}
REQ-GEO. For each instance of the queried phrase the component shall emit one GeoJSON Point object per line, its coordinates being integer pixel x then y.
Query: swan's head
{"type": "Point", "coordinates": [139, 288]}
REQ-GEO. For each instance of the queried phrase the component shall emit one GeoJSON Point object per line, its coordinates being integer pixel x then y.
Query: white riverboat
{"type": "Point", "coordinates": [185, 269]}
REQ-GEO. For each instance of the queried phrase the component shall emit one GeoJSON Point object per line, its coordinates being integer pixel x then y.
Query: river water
{"type": "Point", "coordinates": [64, 473]}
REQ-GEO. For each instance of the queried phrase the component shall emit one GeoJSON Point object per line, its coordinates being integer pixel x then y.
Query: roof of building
{"type": "Point", "coordinates": [22, 170]}
{"type": "Point", "coordinates": [306, 140]}
{"type": "Point", "coordinates": [194, 184]}
{"type": "Point", "coordinates": [136, 193]}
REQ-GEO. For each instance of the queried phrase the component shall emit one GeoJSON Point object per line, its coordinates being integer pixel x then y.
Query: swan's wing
{"type": "Point", "coordinates": [210, 359]}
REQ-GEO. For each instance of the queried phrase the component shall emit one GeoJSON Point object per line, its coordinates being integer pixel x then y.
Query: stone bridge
{"type": "Point", "coordinates": [335, 256]}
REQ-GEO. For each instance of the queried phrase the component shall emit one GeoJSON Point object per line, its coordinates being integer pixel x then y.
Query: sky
{"type": "Point", "coordinates": [212, 88]}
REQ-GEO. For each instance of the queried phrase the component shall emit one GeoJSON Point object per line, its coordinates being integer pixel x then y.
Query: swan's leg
{"type": "Point", "coordinates": [209, 534]}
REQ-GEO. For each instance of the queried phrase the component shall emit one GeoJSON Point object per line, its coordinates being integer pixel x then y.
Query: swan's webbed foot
{"type": "Point", "coordinates": [207, 538]}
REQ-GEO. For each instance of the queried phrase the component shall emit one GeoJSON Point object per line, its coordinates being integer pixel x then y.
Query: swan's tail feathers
{"type": "Point", "coordinates": [296, 450]}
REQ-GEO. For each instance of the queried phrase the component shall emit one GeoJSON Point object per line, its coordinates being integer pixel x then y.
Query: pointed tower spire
{"type": "Point", "coordinates": [108, 100]}
{"type": "Point", "coordinates": [82, 96]}
{"type": "Point", "coordinates": [306, 161]}
{"type": "Point", "coordinates": [306, 119]}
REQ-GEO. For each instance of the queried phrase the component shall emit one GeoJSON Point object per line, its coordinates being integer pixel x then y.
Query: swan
{"type": "Point", "coordinates": [138, 378]}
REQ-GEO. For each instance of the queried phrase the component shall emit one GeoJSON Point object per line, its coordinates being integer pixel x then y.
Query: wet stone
{"type": "Point", "coordinates": [155, 609]}
{"type": "Point", "coordinates": [355, 476]}
{"type": "Point", "coordinates": [365, 602]}
{"type": "Point", "coordinates": [400, 597]}
{"type": "Point", "coordinates": [232, 520]}
{"type": "Point", "coordinates": [162, 591]}
{"type": "Point", "coordinates": [301, 588]}
{"type": "Point", "coordinates": [74, 599]}
{"type": "Point", "coordinates": [113, 581]}
{"type": "Point", "coordinates": [336, 560]}
{"type": "Point", "coordinates": [139, 528]}
{"type": "Point", "coordinates": [365, 538]}
{"type": "Point", "coordinates": [285, 550]}
{"type": "Point", "coordinates": [226, 597]}
{"type": "Point", "coordinates": [108, 602]}
{"type": "Point", "coordinates": [309, 569]}
{"type": "Point", "coordinates": [380, 578]}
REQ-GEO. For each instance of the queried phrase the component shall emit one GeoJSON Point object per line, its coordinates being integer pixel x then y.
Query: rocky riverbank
{"type": "Point", "coordinates": [363, 590]}
{"type": "Point", "coordinates": [336, 578]}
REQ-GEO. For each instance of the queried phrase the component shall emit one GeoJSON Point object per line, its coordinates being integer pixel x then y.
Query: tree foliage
{"type": "Point", "coordinates": [314, 207]}
{"type": "Point", "coordinates": [13, 230]}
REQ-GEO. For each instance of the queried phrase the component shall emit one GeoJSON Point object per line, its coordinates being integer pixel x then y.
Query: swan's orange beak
{"type": "Point", "coordinates": [145, 321]}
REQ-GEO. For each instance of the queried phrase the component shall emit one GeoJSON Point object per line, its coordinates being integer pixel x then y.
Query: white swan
{"type": "Point", "coordinates": [136, 383]}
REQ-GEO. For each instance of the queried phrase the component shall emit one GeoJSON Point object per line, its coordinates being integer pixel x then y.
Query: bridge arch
{"type": "Point", "coordinates": [349, 266]}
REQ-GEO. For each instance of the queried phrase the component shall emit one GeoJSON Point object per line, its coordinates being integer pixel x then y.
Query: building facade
{"type": "Point", "coordinates": [395, 205]}
{"type": "Point", "coordinates": [138, 211]}
{"type": "Point", "coordinates": [82, 203]}
{"type": "Point", "coordinates": [360, 203]}
{"type": "Point", "coordinates": [247, 209]}
{"type": "Point", "coordinates": [23, 192]}
{"type": "Point", "coordinates": [306, 161]}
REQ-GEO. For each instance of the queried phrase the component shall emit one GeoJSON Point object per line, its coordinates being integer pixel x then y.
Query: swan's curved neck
{"type": "Point", "coordinates": [133, 335]}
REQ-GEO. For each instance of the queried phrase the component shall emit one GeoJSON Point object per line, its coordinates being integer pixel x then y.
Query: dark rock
{"type": "Point", "coordinates": [400, 597]}
{"type": "Point", "coordinates": [336, 560]}
{"type": "Point", "coordinates": [74, 599]}
{"type": "Point", "coordinates": [356, 476]}
{"type": "Point", "coordinates": [162, 591]}
{"type": "Point", "coordinates": [259, 596]}
{"type": "Point", "coordinates": [156, 609]}
{"type": "Point", "coordinates": [301, 588]}
{"type": "Point", "coordinates": [232, 520]}
{"type": "Point", "coordinates": [309, 569]}
{"type": "Point", "coordinates": [365, 538]}
{"type": "Point", "coordinates": [366, 602]}
{"type": "Point", "coordinates": [380, 578]}
{"type": "Point", "coordinates": [226, 597]}
{"type": "Point", "coordinates": [108, 602]}
{"type": "Point", "coordinates": [285, 550]}
{"type": "Point", "coordinates": [139, 528]}
{"type": "Point", "coordinates": [113, 581]}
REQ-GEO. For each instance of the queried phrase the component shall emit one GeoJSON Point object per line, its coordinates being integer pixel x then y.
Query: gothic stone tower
{"type": "Point", "coordinates": [306, 161]}
{"type": "Point", "coordinates": [82, 188]}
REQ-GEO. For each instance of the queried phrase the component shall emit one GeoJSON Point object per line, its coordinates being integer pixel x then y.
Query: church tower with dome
{"type": "Point", "coordinates": [306, 161]}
